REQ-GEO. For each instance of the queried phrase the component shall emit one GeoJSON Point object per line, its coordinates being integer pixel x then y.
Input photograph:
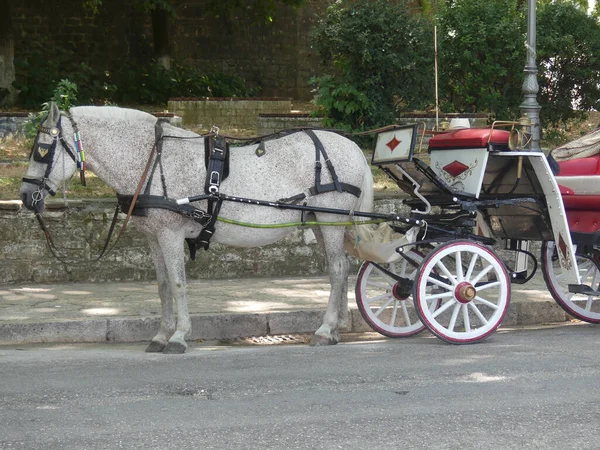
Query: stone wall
{"type": "Point", "coordinates": [12, 124]}
{"type": "Point", "coordinates": [228, 113]}
{"type": "Point", "coordinates": [79, 231]}
{"type": "Point", "coordinates": [270, 123]}
{"type": "Point", "coordinates": [275, 58]}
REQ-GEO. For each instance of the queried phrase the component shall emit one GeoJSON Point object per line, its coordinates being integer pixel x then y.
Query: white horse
{"type": "Point", "coordinates": [118, 143]}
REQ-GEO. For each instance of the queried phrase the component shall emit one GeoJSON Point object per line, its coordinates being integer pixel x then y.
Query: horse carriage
{"type": "Point", "coordinates": [481, 189]}
{"type": "Point", "coordinates": [436, 267]}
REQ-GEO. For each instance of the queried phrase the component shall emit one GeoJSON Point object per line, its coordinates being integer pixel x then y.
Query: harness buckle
{"type": "Point", "coordinates": [213, 187]}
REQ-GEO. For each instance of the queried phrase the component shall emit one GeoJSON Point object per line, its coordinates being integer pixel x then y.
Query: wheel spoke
{"type": "Point", "coordinates": [459, 267]}
{"type": "Point", "coordinates": [405, 313]}
{"type": "Point", "coordinates": [455, 312]}
{"type": "Point", "coordinates": [483, 287]}
{"type": "Point", "coordinates": [471, 266]}
{"type": "Point", "coordinates": [481, 274]}
{"type": "Point", "coordinates": [440, 265]}
{"type": "Point", "coordinates": [443, 308]}
{"type": "Point", "coordinates": [381, 285]}
{"type": "Point", "coordinates": [387, 295]}
{"type": "Point", "coordinates": [485, 302]}
{"type": "Point", "coordinates": [466, 320]}
{"type": "Point", "coordinates": [438, 296]}
{"type": "Point", "coordinates": [385, 305]}
{"type": "Point", "coordinates": [394, 311]}
{"type": "Point", "coordinates": [480, 316]}
{"type": "Point", "coordinates": [439, 283]}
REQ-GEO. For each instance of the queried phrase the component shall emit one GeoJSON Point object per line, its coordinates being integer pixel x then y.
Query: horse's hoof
{"type": "Point", "coordinates": [175, 348]}
{"type": "Point", "coordinates": [318, 340]}
{"type": "Point", "coordinates": [155, 347]}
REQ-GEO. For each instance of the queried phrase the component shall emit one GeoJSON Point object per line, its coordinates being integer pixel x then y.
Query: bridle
{"type": "Point", "coordinates": [45, 154]}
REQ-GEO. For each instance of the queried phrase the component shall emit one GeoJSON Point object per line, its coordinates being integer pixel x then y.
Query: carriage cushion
{"type": "Point", "coordinates": [470, 138]}
{"type": "Point", "coordinates": [565, 190]}
{"type": "Point", "coordinates": [580, 167]}
{"type": "Point", "coordinates": [583, 221]}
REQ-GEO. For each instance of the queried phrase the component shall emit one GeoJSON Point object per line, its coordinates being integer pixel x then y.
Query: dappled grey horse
{"type": "Point", "coordinates": [118, 143]}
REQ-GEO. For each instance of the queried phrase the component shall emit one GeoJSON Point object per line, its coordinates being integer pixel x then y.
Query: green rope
{"type": "Point", "coordinates": [297, 224]}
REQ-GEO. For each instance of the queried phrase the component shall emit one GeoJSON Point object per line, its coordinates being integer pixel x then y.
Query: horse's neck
{"type": "Point", "coordinates": [116, 151]}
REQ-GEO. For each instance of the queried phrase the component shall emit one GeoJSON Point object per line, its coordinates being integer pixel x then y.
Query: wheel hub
{"type": "Point", "coordinates": [402, 290]}
{"type": "Point", "coordinates": [465, 292]}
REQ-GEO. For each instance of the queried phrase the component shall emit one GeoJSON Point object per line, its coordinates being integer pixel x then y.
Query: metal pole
{"type": "Point", "coordinates": [435, 59]}
{"type": "Point", "coordinates": [530, 88]}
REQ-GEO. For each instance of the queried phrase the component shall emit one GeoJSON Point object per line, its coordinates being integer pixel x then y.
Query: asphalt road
{"type": "Point", "coordinates": [535, 388]}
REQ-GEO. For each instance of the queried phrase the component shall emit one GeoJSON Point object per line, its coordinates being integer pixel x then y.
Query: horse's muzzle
{"type": "Point", "coordinates": [33, 200]}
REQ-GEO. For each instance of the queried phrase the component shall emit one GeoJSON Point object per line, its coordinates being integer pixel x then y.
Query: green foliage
{"type": "Point", "coordinates": [38, 69]}
{"type": "Point", "coordinates": [569, 58]}
{"type": "Point", "coordinates": [115, 81]}
{"type": "Point", "coordinates": [154, 84]}
{"type": "Point", "coordinates": [64, 95]}
{"type": "Point", "coordinates": [376, 58]}
{"type": "Point", "coordinates": [481, 56]}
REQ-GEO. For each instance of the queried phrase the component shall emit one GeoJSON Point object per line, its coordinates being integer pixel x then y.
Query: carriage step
{"type": "Point", "coordinates": [583, 289]}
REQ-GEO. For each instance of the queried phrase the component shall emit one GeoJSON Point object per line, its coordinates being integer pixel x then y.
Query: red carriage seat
{"type": "Point", "coordinates": [579, 182]}
{"type": "Point", "coordinates": [470, 138]}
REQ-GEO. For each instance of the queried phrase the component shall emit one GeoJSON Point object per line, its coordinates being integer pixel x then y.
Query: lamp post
{"type": "Point", "coordinates": [530, 105]}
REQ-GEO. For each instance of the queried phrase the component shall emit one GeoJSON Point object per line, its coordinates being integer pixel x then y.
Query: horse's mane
{"type": "Point", "coordinates": [113, 112]}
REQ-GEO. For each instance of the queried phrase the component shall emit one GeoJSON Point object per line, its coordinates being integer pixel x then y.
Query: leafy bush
{"type": "Point", "coordinates": [64, 95]}
{"type": "Point", "coordinates": [38, 70]}
{"type": "Point", "coordinates": [154, 84]}
{"type": "Point", "coordinates": [481, 55]}
{"type": "Point", "coordinates": [376, 59]}
{"type": "Point", "coordinates": [482, 58]}
{"type": "Point", "coordinates": [569, 54]}
{"type": "Point", "coordinates": [37, 75]}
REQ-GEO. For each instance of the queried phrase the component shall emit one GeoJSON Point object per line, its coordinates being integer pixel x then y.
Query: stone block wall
{"type": "Point", "coordinates": [227, 113]}
{"type": "Point", "coordinates": [271, 123]}
{"type": "Point", "coordinates": [79, 231]}
{"type": "Point", "coordinates": [12, 125]}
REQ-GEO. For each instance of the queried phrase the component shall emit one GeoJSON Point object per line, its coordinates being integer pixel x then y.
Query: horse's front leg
{"type": "Point", "coordinates": [167, 321]}
{"type": "Point", "coordinates": [337, 308]}
{"type": "Point", "coordinates": [171, 245]}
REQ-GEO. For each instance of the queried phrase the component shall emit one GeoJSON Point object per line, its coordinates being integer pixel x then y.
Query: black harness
{"type": "Point", "coordinates": [217, 169]}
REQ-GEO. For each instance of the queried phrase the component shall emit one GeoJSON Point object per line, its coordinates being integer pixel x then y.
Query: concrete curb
{"type": "Point", "coordinates": [228, 326]}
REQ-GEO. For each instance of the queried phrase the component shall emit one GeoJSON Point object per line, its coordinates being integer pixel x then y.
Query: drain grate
{"type": "Point", "coordinates": [270, 340]}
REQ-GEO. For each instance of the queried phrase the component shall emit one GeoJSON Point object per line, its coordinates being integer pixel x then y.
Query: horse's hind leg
{"type": "Point", "coordinates": [337, 308]}
{"type": "Point", "coordinates": [167, 321]}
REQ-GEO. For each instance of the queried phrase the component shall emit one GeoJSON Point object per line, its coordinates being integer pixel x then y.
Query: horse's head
{"type": "Point", "coordinates": [51, 162]}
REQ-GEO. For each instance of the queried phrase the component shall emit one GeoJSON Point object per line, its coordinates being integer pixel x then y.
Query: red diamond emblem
{"type": "Point", "coordinates": [455, 168]}
{"type": "Point", "coordinates": [562, 246]}
{"type": "Point", "coordinates": [393, 143]}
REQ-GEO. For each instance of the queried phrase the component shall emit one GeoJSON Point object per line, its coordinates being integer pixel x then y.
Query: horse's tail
{"type": "Point", "coordinates": [365, 202]}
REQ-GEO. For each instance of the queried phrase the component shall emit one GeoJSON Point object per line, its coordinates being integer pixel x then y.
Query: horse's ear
{"type": "Point", "coordinates": [53, 115]}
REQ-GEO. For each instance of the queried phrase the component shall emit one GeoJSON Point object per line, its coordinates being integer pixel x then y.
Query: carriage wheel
{"type": "Point", "coordinates": [583, 307]}
{"type": "Point", "coordinates": [473, 287]}
{"type": "Point", "coordinates": [383, 303]}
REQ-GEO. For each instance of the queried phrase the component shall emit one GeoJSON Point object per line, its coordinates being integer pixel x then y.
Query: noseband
{"type": "Point", "coordinates": [44, 153]}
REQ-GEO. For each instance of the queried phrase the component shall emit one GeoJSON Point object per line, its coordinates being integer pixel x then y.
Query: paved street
{"type": "Point", "coordinates": [521, 388]}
